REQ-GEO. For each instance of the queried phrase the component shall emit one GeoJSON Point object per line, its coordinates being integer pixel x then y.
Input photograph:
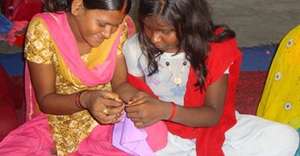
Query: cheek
{"type": "Point", "coordinates": [94, 28]}
{"type": "Point", "coordinates": [85, 29]}
{"type": "Point", "coordinates": [172, 40]}
{"type": "Point", "coordinates": [147, 33]}
{"type": "Point", "coordinates": [91, 27]}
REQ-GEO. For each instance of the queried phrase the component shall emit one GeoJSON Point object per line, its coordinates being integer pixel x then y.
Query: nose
{"type": "Point", "coordinates": [156, 37]}
{"type": "Point", "coordinates": [108, 30]}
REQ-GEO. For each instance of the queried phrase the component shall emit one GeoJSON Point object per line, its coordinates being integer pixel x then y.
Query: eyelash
{"type": "Point", "coordinates": [166, 32]}
{"type": "Point", "coordinates": [101, 24]}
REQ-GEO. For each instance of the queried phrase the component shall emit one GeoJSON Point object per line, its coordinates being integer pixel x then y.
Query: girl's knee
{"type": "Point", "coordinates": [287, 137]}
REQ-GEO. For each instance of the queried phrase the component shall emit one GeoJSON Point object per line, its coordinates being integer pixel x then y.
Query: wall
{"type": "Point", "coordinates": [256, 22]}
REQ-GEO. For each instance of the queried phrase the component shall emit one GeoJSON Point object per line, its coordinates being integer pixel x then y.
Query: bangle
{"type": "Point", "coordinates": [173, 111]}
{"type": "Point", "coordinates": [77, 100]}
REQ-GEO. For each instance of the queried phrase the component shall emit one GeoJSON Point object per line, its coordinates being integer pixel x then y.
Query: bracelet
{"type": "Point", "coordinates": [77, 100]}
{"type": "Point", "coordinates": [173, 111]}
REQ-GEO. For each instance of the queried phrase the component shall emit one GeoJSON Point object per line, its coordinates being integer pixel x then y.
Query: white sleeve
{"type": "Point", "coordinates": [227, 69]}
{"type": "Point", "coordinates": [132, 53]}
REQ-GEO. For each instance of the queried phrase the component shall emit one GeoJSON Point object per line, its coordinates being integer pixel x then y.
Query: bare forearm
{"type": "Point", "coordinates": [59, 104]}
{"type": "Point", "coordinates": [196, 117]}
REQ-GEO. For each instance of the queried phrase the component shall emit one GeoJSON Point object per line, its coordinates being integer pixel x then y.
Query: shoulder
{"type": "Point", "coordinates": [37, 47]}
{"type": "Point", "coordinates": [222, 55]}
{"type": "Point", "coordinates": [133, 41]}
{"type": "Point", "coordinates": [37, 25]}
{"type": "Point", "coordinates": [37, 30]}
{"type": "Point", "coordinates": [291, 38]}
{"type": "Point", "coordinates": [132, 46]}
{"type": "Point", "coordinates": [133, 55]}
{"type": "Point", "coordinates": [294, 31]}
{"type": "Point", "coordinates": [225, 50]}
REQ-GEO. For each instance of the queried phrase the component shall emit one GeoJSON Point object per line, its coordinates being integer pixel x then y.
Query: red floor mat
{"type": "Point", "coordinates": [249, 91]}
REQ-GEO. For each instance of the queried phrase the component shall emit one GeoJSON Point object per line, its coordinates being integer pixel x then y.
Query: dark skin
{"type": "Point", "coordinates": [144, 110]}
{"type": "Point", "coordinates": [90, 28]}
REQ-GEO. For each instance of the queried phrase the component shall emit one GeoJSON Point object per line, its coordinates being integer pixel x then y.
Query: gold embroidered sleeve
{"type": "Point", "coordinates": [38, 47]}
{"type": "Point", "coordinates": [123, 38]}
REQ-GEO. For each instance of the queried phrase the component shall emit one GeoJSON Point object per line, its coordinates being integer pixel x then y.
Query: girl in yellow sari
{"type": "Point", "coordinates": [281, 97]}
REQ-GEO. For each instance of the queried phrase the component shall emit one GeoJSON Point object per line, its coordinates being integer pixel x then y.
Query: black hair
{"type": "Point", "coordinates": [194, 29]}
{"type": "Point", "coordinates": [65, 5]}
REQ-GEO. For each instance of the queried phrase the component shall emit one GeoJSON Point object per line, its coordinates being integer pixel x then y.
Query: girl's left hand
{"type": "Point", "coordinates": [145, 110]}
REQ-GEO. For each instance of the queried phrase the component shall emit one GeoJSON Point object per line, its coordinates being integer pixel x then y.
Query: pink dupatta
{"type": "Point", "coordinates": [65, 41]}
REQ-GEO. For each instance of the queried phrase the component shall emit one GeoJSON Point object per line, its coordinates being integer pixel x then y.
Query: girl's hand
{"type": "Point", "coordinates": [105, 106]}
{"type": "Point", "coordinates": [145, 110]}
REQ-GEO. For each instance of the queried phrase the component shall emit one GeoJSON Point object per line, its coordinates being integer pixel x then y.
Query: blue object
{"type": "Point", "coordinates": [13, 63]}
{"type": "Point", "coordinates": [5, 24]}
{"type": "Point", "coordinates": [258, 58]}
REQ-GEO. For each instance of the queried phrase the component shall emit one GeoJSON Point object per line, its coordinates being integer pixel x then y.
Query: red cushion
{"type": "Point", "coordinates": [19, 10]}
{"type": "Point", "coordinates": [8, 116]}
{"type": "Point", "coordinates": [7, 89]}
{"type": "Point", "coordinates": [8, 120]}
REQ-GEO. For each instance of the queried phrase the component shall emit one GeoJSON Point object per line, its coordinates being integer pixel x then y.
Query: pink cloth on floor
{"type": "Point", "coordinates": [34, 138]}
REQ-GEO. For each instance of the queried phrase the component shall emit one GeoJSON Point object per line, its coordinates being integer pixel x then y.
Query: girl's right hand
{"type": "Point", "coordinates": [105, 106]}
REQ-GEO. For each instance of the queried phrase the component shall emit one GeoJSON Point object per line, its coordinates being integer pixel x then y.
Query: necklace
{"type": "Point", "coordinates": [176, 76]}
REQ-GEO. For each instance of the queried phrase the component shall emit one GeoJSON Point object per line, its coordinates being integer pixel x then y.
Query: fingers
{"type": "Point", "coordinates": [113, 111]}
{"type": "Point", "coordinates": [110, 102]}
{"type": "Point", "coordinates": [138, 98]}
{"type": "Point", "coordinates": [139, 124]}
{"type": "Point", "coordinates": [111, 95]}
{"type": "Point", "coordinates": [107, 111]}
{"type": "Point", "coordinates": [108, 119]}
{"type": "Point", "coordinates": [136, 102]}
{"type": "Point", "coordinates": [133, 115]}
{"type": "Point", "coordinates": [133, 109]}
{"type": "Point", "coordinates": [137, 118]}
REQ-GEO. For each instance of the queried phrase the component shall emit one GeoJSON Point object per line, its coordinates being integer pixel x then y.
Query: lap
{"type": "Point", "coordinates": [34, 138]}
{"type": "Point", "coordinates": [251, 135]}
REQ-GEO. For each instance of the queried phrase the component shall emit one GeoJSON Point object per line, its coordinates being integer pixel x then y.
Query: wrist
{"type": "Point", "coordinates": [172, 111]}
{"type": "Point", "coordinates": [83, 99]}
{"type": "Point", "coordinates": [169, 111]}
{"type": "Point", "coordinates": [77, 100]}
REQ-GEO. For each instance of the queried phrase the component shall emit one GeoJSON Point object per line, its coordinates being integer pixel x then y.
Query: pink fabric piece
{"type": "Point", "coordinates": [68, 49]}
{"type": "Point", "coordinates": [21, 140]}
{"type": "Point", "coordinates": [139, 142]}
{"type": "Point", "coordinates": [29, 96]}
{"type": "Point", "coordinates": [131, 139]}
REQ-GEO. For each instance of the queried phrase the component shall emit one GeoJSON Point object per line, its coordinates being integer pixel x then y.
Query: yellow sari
{"type": "Point", "coordinates": [281, 96]}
